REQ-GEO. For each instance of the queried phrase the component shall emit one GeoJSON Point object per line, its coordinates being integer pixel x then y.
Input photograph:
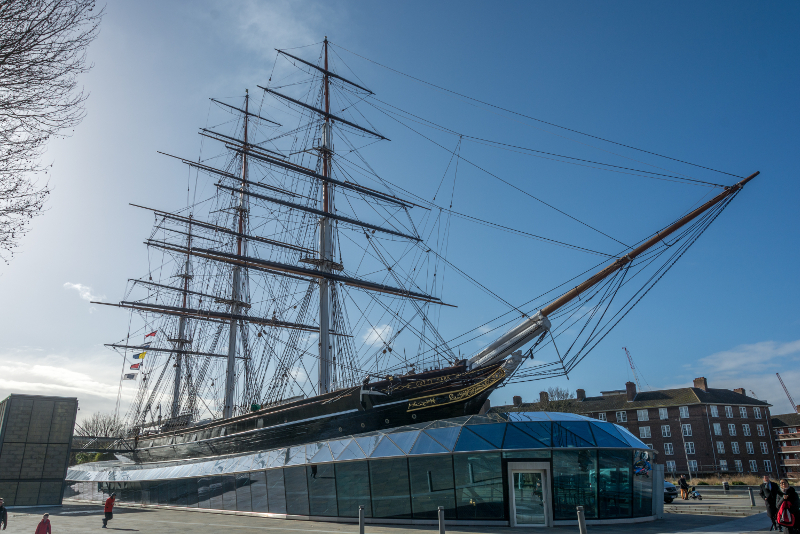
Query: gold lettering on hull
{"type": "Point", "coordinates": [457, 396]}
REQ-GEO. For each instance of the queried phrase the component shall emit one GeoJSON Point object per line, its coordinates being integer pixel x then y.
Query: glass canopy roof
{"type": "Point", "coordinates": [503, 431]}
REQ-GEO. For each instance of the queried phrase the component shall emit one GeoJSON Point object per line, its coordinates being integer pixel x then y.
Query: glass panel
{"type": "Point", "coordinates": [540, 431]}
{"type": "Point", "coordinates": [215, 491]}
{"type": "Point", "coordinates": [580, 429]}
{"type": "Point", "coordinates": [322, 490]}
{"type": "Point", "coordinates": [338, 446]}
{"type": "Point", "coordinates": [389, 484]}
{"type": "Point", "coordinates": [446, 436]}
{"type": "Point", "coordinates": [426, 445]}
{"type": "Point", "coordinates": [323, 455]}
{"type": "Point", "coordinates": [204, 492]}
{"type": "Point", "coordinates": [296, 455]}
{"type": "Point", "coordinates": [529, 416]}
{"type": "Point", "coordinates": [386, 448]}
{"type": "Point", "coordinates": [517, 439]}
{"type": "Point", "coordinates": [614, 484]}
{"type": "Point", "coordinates": [574, 483]}
{"type": "Point", "coordinates": [352, 488]}
{"type": "Point", "coordinates": [564, 437]}
{"type": "Point", "coordinates": [191, 492]}
{"type": "Point", "coordinates": [229, 492]}
{"type": "Point", "coordinates": [432, 486]}
{"type": "Point", "coordinates": [276, 494]}
{"type": "Point", "coordinates": [533, 455]}
{"type": "Point", "coordinates": [258, 491]}
{"type": "Point", "coordinates": [351, 452]}
{"type": "Point", "coordinates": [470, 441]}
{"type": "Point", "coordinates": [296, 490]}
{"type": "Point", "coordinates": [528, 498]}
{"type": "Point", "coordinates": [480, 420]}
{"type": "Point", "coordinates": [178, 493]}
{"type": "Point", "coordinates": [243, 492]}
{"type": "Point", "coordinates": [163, 492]}
{"type": "Point", "coordinates": [607, 436]}
{"type": "Point", "coordinates": [491, 433]}
{"type": "Point", "coordinates": [630, 438]}
{"type": "Point", "coordinates": [367, 443]}
{"type": "Point", "coordinates": [453, 421]}
{"type": "Point", "coordinates": [404, 440]}
{"type": "Point", "coordinates": [642, 492]}
{"type": "Point", "coordinates": [479, 486]}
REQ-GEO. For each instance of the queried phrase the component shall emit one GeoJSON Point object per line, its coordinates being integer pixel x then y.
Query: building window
{"type": "Point", "coordinates": [764, 449]}
{"type": "Point", "coordinates": [760, 429]}
{"type": "Point", "coordinates": [729, 411]}
{"type": "Point", "coordinates": [684, 412]}
{"type": "Point", "coordinates": [732, 430]}
{"type": "Point", "coordinates": [662, 414]}
{"type": "Point", "coordinates": [671, 466]}
{"type": "Point", "coordinates": [767, 466]}
{"type": "Point", "coordinates": [687, 430]}
{"type": "Point", "coordinates": [746, 430]}
{"type": "Point", "coordinates": [642, 415]}
{"type": "Point", "coordinates": [693, 466]}
{"type": "Point", "coordinates": [753, 466]}
{"type": "Point", "coordinates": [689, 447]}
{"type": "Point", "coordinates": [622, 417]}
{"type": "Point", "coordinates": [723, 465]}
{"type": "Point", "coordinates": [743, 412]}
{"type": "Point", "coordinates": [602, 416]}
{"type": "Point", "coordinates": [735, 447]}
{"type": "Point", "coordinates": [757, 412]}
{"type": "Point", "coordinates": [714, 411]}
{"type": "Point", "coordinates": [791, 430]}
{"type": "Point", "coordinates": [717, 429]}
{"type": "Point", "coordinates": [668, 450]}
{"type": "Point", "coordinates": [749, 446]}
{"type": "Point", "coordinates": [721, 447]}
{"type": "Point", "coordinates": [644, 432]}
{"type": "Point", "coordinates": [738, 465]}
{"type": "Point", "coordinates": [665, 432]}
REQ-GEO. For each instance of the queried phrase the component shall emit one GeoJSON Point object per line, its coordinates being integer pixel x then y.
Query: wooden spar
{"type": "Point", "coordinates": [182, 352]}
{"type": "Point", "coordinates": [601, 275]}
{"type": "Point", "coordinates": [147, 283]}
{"type": "Point", "coordinates": [243, 111]}
{"type": "Point", "coordinates": [322, 213]}
{"type": "Point", "coordinates": [325, 71]}
{"type": "Point", "coordinates": [227, 138]}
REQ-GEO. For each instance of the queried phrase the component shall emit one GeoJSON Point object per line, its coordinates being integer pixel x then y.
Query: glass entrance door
{"type": "Point", "coordinates": [529, 504]}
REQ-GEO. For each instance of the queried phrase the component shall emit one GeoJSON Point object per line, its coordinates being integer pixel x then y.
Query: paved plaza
{"type": "Point", "coordinates": [75, 518]}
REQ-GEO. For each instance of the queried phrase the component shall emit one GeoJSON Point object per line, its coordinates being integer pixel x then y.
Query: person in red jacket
{"type": "Point", "coordinates": [44, 525]}
{"type": "Point", "coordinates": [109, 509]}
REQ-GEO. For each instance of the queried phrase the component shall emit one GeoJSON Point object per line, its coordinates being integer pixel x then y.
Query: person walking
{"type": "Point", "coordinates": [3, 514]}
{"type": "Point", "coordinates": [684, 485]}
{"type": "Point", "coordinates": [44, 525]}
{"type": "Point", "coordinates": [770, 493]}
{"type": "Point", "coordinates": [109, 509]}
{"type": "Point", "coordinates": [790, 496]}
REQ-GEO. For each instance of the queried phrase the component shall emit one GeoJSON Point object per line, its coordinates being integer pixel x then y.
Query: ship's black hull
{"type": "Point", "coordinates": [385, 405]}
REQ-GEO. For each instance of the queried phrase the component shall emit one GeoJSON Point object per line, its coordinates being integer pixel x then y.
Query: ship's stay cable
{"type": "Point", "coordinates": [534, 118]}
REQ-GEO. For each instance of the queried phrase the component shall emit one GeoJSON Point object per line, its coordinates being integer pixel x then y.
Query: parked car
{"type": "Point", "coordinates": [670, 492]}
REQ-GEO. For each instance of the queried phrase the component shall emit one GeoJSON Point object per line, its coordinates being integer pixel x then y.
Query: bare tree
{"type": "Point", "coordinates": [99, 424]}
{"type": "Point", "coordinates": [42, 52]}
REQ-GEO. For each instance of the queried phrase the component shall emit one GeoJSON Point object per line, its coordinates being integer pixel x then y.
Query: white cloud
{"type": "Point", "coordinates": [377, 334]}
{"type": "Point", "coordinates": [742, 360]}
{"type": "Point", "coordinates": [84, 292]}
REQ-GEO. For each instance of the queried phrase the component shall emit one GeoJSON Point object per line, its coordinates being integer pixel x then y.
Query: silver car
{"type": "Point", "coordinates": [670, 492]}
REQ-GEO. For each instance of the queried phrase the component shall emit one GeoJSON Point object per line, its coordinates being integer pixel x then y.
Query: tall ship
{"type": "Point", "coordinates": [297, 295]}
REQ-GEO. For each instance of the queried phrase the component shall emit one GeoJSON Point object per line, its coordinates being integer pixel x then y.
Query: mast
{"type": "Point", "coordinates": [230, 372]}
{"type": "Point", "coordinates": [181, 341]}
{"type": "Point", "coordinates": [325, 242]}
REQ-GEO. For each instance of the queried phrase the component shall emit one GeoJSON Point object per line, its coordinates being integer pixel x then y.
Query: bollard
{"type": "Point", "coordinates": [752, 497]}
{"type": "Point", "coordinates": [441, 520]}
{"type": "Point", "coordinates": [581, 520]}
{"type": "Point", "coordinates": [361, 519]}
{"type": "Point", "coordinates": [725, 486]}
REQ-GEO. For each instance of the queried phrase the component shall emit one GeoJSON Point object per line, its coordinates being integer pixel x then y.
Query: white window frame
{"type": "Point", "coordinates": [669, 450]}
{"type": "Point", "coordinates": [760, 429]}
{"type": "Point", "coordinates": [738, 466]}
{"type": "Point", "coordinates": [767, 466]}
{"type": "Point", "coordinates": [689, 447]}
{"type": "Point", "coordinates": [745, 430]}
{"type": "Point", "coordinates": [622, 417]}
{"type": "Point", "coordinates": [756, 412]}
{"type": "Point", "coordinates": [644, 432]}
{"type": "Point", "coordinates": [670, 465]}
{"type": "Point", "coordinates": [764, 448]}
{"type": "Point", "coordinates": [602, 416]}
{"type": "Point", "coordinates": [686, 430]}
{"type": "Point", "coordinates": [729, 412]}
{"type": "Point", "coordinates": [735, 447]}
{"type": "Point", "coordinates": [662, 414]}
{"type": "Point", "coordinates": [714, 411]}
{"type": "Point", "coordinates": [753, 466]}
{"type": "Point", "coordinates": [642, 415]}
{"type": "Point", "coordinates": [684, 412]}
{"type": "Point", "coordinates": [717, 429]}
{"type": "Point", "coordinates": [721, 447]}
{"type": "Point", "coordinates": [723, 465]}
{"type": "Point", "coordinates": [666, 432]}
{"type": "Point", "coordinates": [748, 445]}
{"type": "Point", "coordinates": [743, 412]}
{"type": "Point", "coordinates": [692, 466]}
{"type": "Point", "coordinates": [731, 429]}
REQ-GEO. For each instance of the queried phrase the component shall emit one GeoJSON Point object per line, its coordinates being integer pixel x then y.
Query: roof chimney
{"type": "Point", "coordinates": [740, 391]}
{"type": "Point", "coordinates": [517, 400]}
{"type": "Point", "coordinates": [701, 383]}
{"type": "Point", "coordinates": [630, 390]}
{"type": "Point", "coordinates": [544, 397]}
{"type": "Point", "coordinates": [580, 394]}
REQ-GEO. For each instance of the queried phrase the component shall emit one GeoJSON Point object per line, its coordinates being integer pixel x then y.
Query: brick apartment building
{"type": "Point", "coordinates": [787, 443]}
{"type": "Point", "coordinates": [694, 429]}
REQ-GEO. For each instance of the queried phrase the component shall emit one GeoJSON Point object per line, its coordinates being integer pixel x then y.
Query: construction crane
{"type": "Point", "coordinates": [635, 376]}
{"type": "Point", "coordinates": [791, 400]}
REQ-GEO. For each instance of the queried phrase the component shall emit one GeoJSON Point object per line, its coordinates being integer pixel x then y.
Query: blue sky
{"type": "Point", "coordinates": [713, 83]}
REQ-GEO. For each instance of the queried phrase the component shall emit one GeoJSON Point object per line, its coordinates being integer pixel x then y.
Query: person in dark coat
{"type": "Point", "coordinates": [109, 510]}
{"type": "Point", "coordinates": [770, 493]}
{"type": "Point", "coordinates": [3, 514]}
{"type": "Point", "coordinates": [790, 495]}
{"type": "Point", "coordinates": [684, 485]}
